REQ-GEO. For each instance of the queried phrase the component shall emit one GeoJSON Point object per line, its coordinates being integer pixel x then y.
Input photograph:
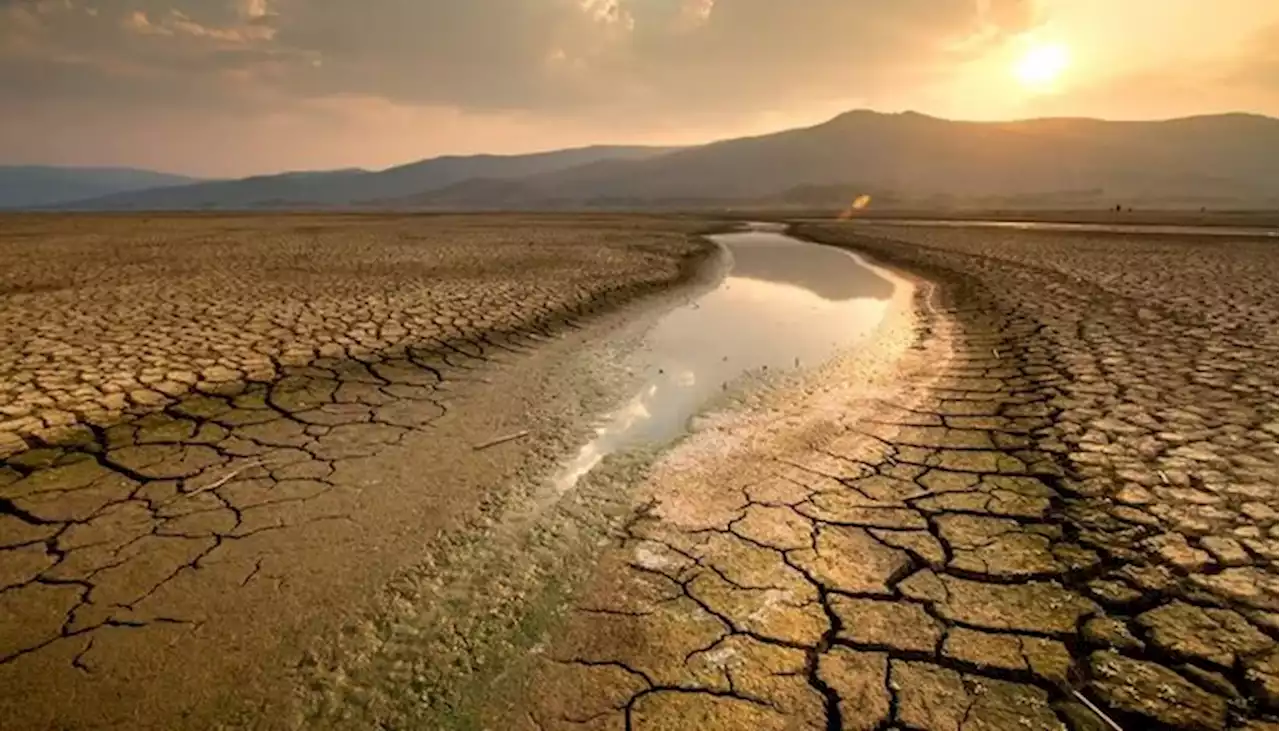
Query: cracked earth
{"type": "Point", "coordinates": [215, 430]}
{"type": "Point", "coordinates": [120, 316]}
{"type": "Point", "coordinates": [1060, 511]}
{"type": "Point", "coordinates": [218, 432]}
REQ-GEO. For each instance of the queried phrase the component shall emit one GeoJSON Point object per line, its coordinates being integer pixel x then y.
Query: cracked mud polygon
{"type": "Point", "coordinates": [1060, 511]}
{"type": "Point", "coordinates": [219, 431]}
{"type": "Point", "coordinates": [1042, 495]}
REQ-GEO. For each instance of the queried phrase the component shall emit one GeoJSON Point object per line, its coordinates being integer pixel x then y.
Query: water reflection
{"type": "Point", "coordinates": [824, 271]}
{"type": "Point", "coordinates": [785, 303]}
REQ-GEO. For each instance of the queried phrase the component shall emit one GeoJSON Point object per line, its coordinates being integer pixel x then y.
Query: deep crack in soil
{"type": "Point", "coordinates": [1066, 488]}
{"type": "Point", "coordinates": [1055, 479]}
{"type": "Point", "coordinates": [224, 433]}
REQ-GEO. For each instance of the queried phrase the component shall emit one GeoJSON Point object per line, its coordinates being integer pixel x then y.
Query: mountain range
{"type": "Point", "coordinates": [26, 186]}
{"type": "Point", "coordinates": [908, 158]}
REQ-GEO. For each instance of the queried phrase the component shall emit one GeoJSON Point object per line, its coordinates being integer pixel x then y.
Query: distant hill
{"type": "Point", "coordinates": [909, 157]}
{"type": "Point", "coordinates": [338, 188]}
{"type": "Point", "coordinates": [900, 160]}
{"type": "Point", "coordinates": [25, 186]}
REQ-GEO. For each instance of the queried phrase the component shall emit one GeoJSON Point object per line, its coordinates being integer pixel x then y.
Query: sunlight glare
{"type": "Point", "coordinates": [1041, 65]}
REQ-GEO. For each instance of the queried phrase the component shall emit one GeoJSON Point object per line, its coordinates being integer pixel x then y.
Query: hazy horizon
{"type": "Point", "coordinates": [228, 88]}
{"type": "Point", "coordinates": [602, 143]}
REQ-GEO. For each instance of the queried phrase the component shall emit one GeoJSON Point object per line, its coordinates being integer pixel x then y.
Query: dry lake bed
{"type": "Point", "coordinates": [634, 472]}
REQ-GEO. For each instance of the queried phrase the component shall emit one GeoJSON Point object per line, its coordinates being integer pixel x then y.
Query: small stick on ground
{"type": "Point", "coordinates": [502, 439]}
{"type": "Point", "coordinates": [1097, 711]}
{"type": "Point", "coordinates": [218, 482]}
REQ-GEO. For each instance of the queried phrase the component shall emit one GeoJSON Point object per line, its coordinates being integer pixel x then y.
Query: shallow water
{"type": "Point", "coordinates": [784, 304]}
{"type": "Point", "coordinates": [1114, 228]}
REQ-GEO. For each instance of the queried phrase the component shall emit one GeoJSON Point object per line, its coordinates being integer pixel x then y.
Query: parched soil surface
{"type": "Point", "coordinates": [111, 316]}
{"type": "Point", "coordinates": [1065, 497]}
{"type": "Point", "coordinates": [218, 432]}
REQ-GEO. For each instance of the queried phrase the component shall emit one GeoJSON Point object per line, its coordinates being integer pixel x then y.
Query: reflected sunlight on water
{"type": "Point", "coordinates": [800, 304]}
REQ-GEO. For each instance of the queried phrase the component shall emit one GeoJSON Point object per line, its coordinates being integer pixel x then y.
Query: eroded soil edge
{"type": "Point", "coordinates": [1041, 501]}
{"type": "Point", "coordinates": [156, 566]}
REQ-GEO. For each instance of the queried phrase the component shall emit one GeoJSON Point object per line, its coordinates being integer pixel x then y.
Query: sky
{"type": "Point", "coordinates": [235, 87]}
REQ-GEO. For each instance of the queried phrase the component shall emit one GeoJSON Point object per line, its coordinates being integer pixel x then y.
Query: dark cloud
{"type": "Point", "coordinates": [117, 52]}
{"type": "Point", "coordinates": [271, 81]}
{"type": "Point", "coordinates": [552, 54]}
{"type": "Point", "coordinates": [490, 54]}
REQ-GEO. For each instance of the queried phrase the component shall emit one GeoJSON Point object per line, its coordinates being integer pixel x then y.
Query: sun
{"type": "Point", "coordinates": [1041, 65]}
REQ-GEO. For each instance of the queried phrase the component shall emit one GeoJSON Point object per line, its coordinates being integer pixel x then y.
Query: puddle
{"type": "Point", "coordinates": [783, 304]}
{"type": "Point", "coordinates": [1111, 228]}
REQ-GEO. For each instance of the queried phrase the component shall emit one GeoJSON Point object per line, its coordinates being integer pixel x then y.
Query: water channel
{"type": "Point", "coordinates": [783, 304]}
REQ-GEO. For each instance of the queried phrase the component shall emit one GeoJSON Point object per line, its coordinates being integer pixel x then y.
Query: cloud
{"type": "Point", "coordinates": [996, 22]}
{"type": "Point", "coordinates": [608, 12]}
{"type": "Point", "coordinates": [694, 14]}
{"type": "Point", "coordinates": [1011, 15]}
{"type": "Point", "coordinates": [610, 70]}
{"type": "Point", "coordinates": [138, 22]}
{"type": "Point", "coordinates": [179, 24]}
{"type": "Point", "coordinates": [253, 9]}
{"type": "Point", "coordinates": [563, 56]}
{"type": "Point", "coordinates": [618, 67]}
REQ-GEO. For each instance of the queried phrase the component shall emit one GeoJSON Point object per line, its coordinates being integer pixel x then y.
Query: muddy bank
{"type": "Point", "coordinates": [660, 633]}
{"type": "Point", "coordinates": [457, 632]}
{"type": "Point", "coordinates": [1055, 510]}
